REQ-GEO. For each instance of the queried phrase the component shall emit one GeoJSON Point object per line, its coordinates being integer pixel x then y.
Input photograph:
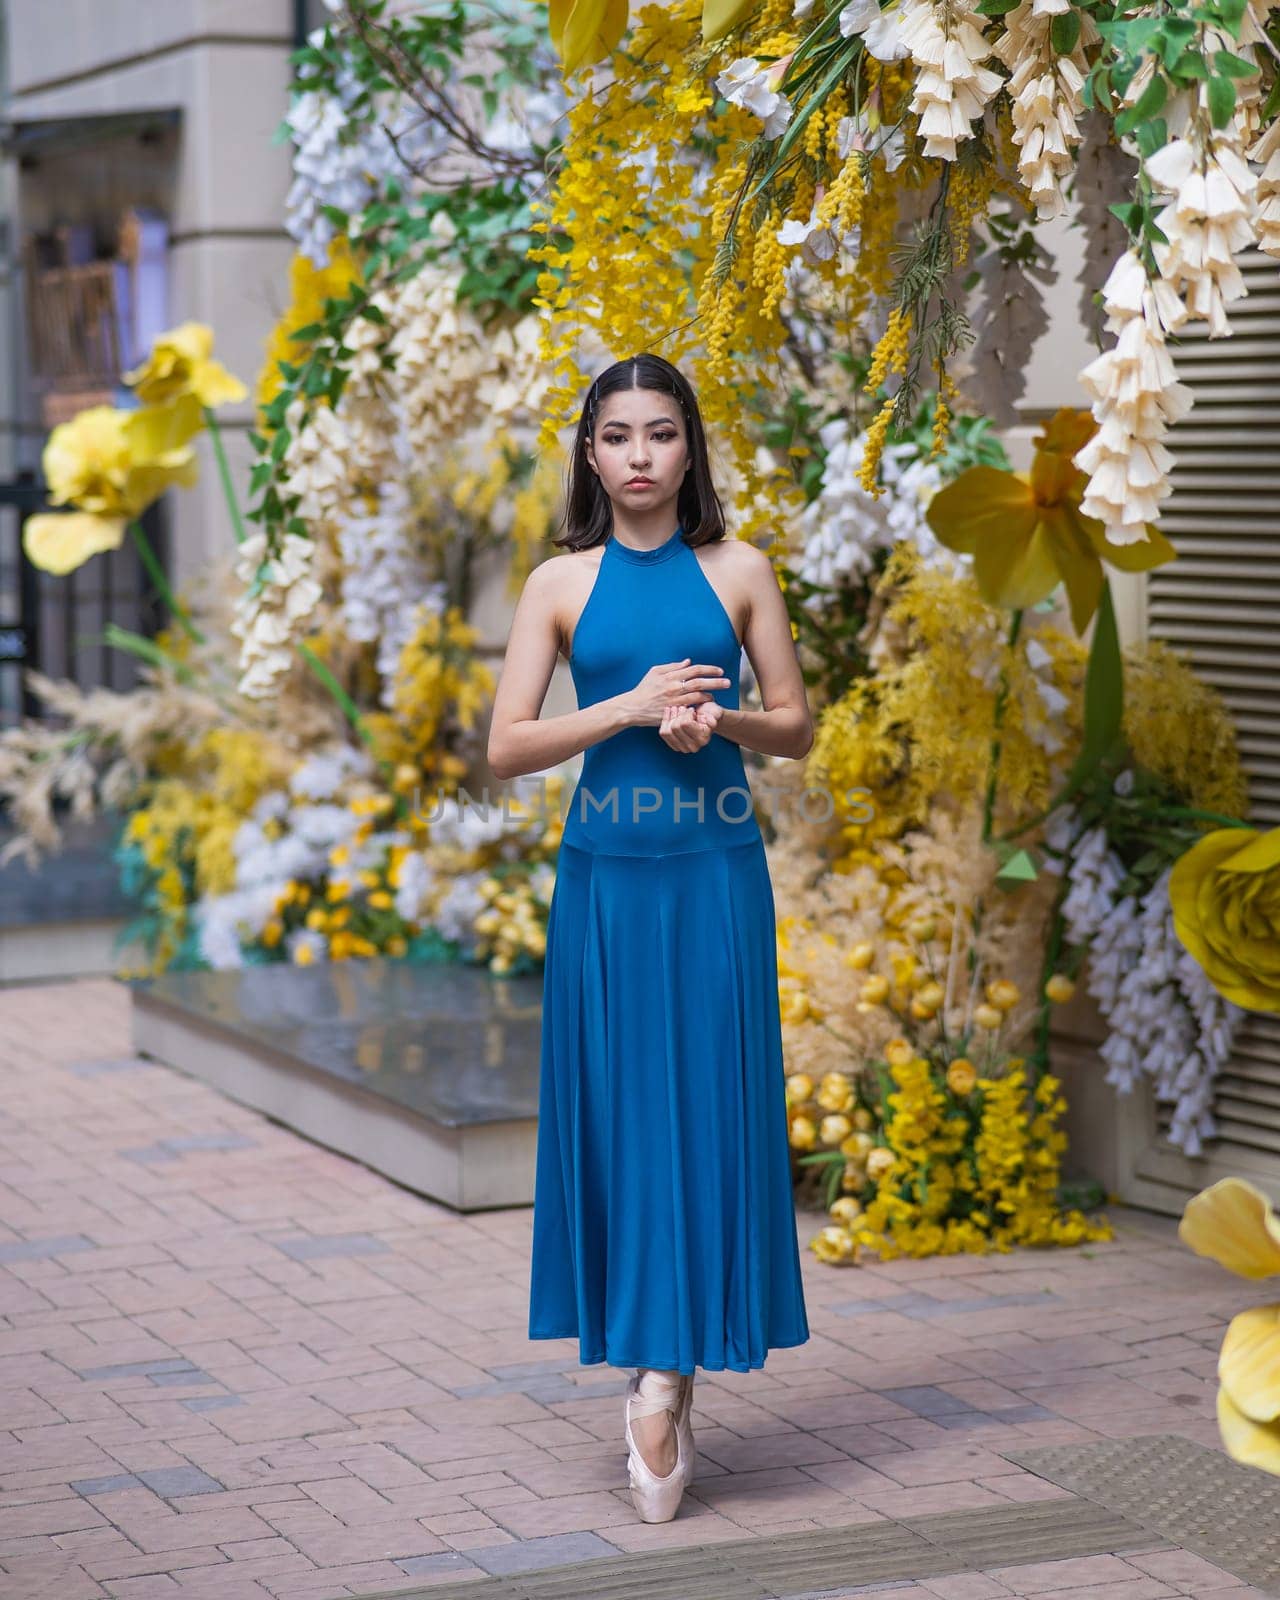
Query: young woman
{"type": "Point", "coordinates": [663, 1231]}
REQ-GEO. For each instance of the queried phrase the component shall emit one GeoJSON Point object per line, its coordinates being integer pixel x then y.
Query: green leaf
{"type": "Point", "coordinates": [1148, 103]}
{"type": "Point", "coordinates": [1018, 869]}
{"type": "Point", "coordinates": [1234, 66]}
{"type": "Point", "coordinates": [1103, 696]}
{"type": "Point", "coordinates": [1222, 101]}
{"type": "Point", "coordinates": [1064, 32]}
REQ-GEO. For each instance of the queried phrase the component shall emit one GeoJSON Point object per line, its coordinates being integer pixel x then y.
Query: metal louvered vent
{"type": "Point", "coordinates": [1218, 605]}
{"type": "Point", "coordinates": [1219, 602]}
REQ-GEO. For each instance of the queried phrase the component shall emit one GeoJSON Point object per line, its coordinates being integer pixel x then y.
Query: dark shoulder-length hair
{"type": "Point", "coordinates": [588, 514]}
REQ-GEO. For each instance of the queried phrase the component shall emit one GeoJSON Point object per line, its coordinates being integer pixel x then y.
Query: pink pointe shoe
{"type": "Point", "coordinates": [655, 1498]}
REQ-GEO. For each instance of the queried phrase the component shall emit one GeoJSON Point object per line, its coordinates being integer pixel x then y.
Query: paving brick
{"type": "Point", "coordinates": [237, 1364]}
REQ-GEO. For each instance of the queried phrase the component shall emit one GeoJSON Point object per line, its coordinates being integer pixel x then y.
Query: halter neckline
{"type": "Point", "coordinates": [660, 552]}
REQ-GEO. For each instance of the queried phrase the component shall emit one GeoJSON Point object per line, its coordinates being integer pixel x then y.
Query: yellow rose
{"type": "Point", "coordinates": [899, 1052]}
{"type": "Point", "coordinates": [857, 1146]}
{"type": "Point", "coordinates": [861, 956]}
{"type": "Point", "coordinates": [874, 990]}
{"type": "Point", "coordinates": [962, 1075]}
{"type": "Point", "coordinates": [833, 1128]}
{"type": "Point", "coordinates": [879, 1162]}
{"type": "Point", "coordinates": [1003, 994]}
{"type": "Point", "coordinates": [1059, 988]}
{"type": "Point", "coordinates": [833, 1244]}
{"type": "Point", "coordinates": [1225, 894]}
{"type": "Point", "coordinates": [846, 1209]}
{"type": "Point", "coordinates": [799, 1088]}
{"type": "Point", "coordinates": [989, 1017]}
{"type": "Point", "coordinates": [802, 1134]}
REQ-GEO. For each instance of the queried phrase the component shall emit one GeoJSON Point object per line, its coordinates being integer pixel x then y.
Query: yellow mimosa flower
{"type": "Point", "coordinates": [1026, 532]}
{"type": "Point", "coordinates": [181, 363]}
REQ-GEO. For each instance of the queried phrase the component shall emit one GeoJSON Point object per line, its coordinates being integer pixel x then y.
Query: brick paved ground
{"type": "Point", "coordinates": [236, 1365]}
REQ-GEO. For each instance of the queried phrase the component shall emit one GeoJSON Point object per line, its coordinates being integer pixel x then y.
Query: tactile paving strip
{"type": "Point", "coordinates": [829, 1558]}
{"type": "Point", "coordinates": [1190, 1493]}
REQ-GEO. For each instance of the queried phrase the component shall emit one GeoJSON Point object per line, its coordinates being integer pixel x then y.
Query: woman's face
{"type": "Point", "coordinates": [640, 434]}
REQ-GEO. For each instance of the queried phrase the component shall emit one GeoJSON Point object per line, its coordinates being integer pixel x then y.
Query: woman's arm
{"type": "Point", "coordinates": [784, 727]}
{"type": "Point", "coordinates": [520, 740]}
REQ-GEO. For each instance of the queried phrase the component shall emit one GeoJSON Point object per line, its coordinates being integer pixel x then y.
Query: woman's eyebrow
{"type": "Point", "coordinates": [652, 422]}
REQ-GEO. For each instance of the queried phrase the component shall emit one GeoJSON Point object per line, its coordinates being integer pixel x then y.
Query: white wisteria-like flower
{"type": "Point", "coordinates": [952, 86]}
{"type": "Point", "coordinates": [745, 83]}
{"type": "Point", "coordinates": [1165, 1020]}
{"type": "Point", "coordinates": [842, 529]}
{"type": "Point", "coordinates": [269, 620]}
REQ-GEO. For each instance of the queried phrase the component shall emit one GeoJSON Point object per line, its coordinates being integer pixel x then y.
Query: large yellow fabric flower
{"type": "Point", "coordinates": [110, 464]}
{"type": "Point", "coordinates": [1232, 1223]}
{"type": "Point", "coordinates": [1225, 894]}
{"type": "Point", "coordinates": [181, 363]}
{"type": "Point", "coordinates": [584, 31]}
{"type": "Point", "coordinates": [1026, 532]}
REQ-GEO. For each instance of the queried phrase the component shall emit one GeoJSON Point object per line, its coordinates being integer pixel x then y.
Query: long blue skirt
{"type": "Point", "coordinates": [664, 1230]}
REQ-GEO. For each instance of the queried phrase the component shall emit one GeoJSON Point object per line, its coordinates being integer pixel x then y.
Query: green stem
{"type": "Point", "coordinates": [224, 472]}
{"type": "Point", "coordinates": [993, 778]}
{"type": "Point", "coordinates": [156, 571]}
{"type": "Point", "coordinates": [997, 741]}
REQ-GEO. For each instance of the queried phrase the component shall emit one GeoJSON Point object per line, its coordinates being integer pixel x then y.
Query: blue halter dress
{"type": "Point", "coordinates": [664, 1232]}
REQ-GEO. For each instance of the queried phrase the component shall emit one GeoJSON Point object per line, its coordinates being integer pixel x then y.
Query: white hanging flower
{"type": "Point", "coordinates": [1136, 397]}
{"type": "Point", "coordinates": [1046, 90]}
{"type": "Point", "coordinates": [883, 37]}
{"type": "Point", "coordinates": [1266, 152]}
{"type": "Point", "coordinates": [1208, 219]}
{"type": "Point", "coordinates": [745, 83]}
{"type": "Point", "coordinates": [858, 16]}
{"type": "Point", "coordinates": [952, 87]}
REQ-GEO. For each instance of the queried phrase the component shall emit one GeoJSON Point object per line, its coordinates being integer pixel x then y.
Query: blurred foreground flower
{"type": "Point", "coordinates": [1233, 1224]}
{"type": "Point", "coordinates": [181, 363]}
{"type": "Point", "coordinates": [109, 464]}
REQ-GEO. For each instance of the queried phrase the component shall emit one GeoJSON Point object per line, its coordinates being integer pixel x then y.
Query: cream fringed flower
{"type": "Point", "coordinates": [1266, 152]}
{"type": "Point", "coordinates": [952, 86]}
{"type": "Point", "coordinates": [1136, 397]}
{"type": "Point", "coordinates": [1046, 90]}
{"type": "Point", "coordinates": [1209, 218]}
